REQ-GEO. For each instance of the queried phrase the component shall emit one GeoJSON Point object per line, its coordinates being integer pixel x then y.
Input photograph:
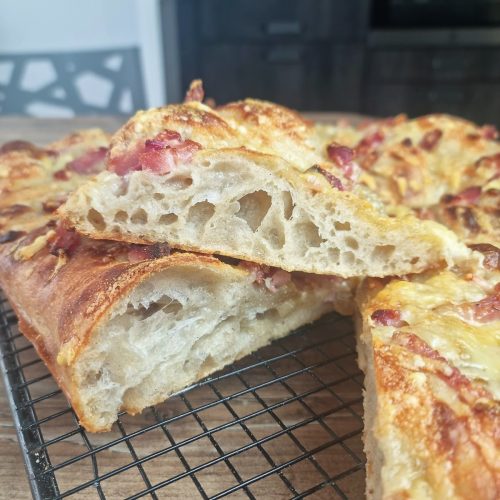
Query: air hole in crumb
{"type": "Point", "coordinates": [167, 219]}
{"type": "Point", "coordinates": [348, 258]}
{"type": "Point", "coordinates": [158, 196]}
{"type": "Point", "coordinates": [334, 254]}
{"type": "Point", "coordinates": [351, 243]}
{"type": "Point", "coordinates": [253, 208]}
{"type": "Point", "coordinates": [173, 307]}
{"type": "Point", "coordinates": [383, 252]}
{"type": "Point", "coordinates": [270, 314]}
{"type": "Point", "coordinates": [205, 163]}
{"type": "Point", "coordinates": [287, 204]}
{"type": "Point", "coordinates": [139, 216]}
{"type": "Point", "coordinates": [180, 182]}
{"type": "Point", "coordinates": [200, 213]}
{"type": "Point", "coordinates": [309, 232]}
{"type": "Point", "coordinates": [96, 219]}
{"type": "Point", "coordinates": [414, 260]}
{"type": "Point", "coordinates": [342, 226]}
{"type": "Point", "coordinates": [121, 216]}
{"type": "Point", "coordinates": [275, 236]}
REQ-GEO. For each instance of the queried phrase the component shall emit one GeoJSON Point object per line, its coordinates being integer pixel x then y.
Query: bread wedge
{"type": "Point", "coordinates": [255, 181]}
{"type": "Point", "coordinates": [123, 326]}
{"type": "Point", "coordinates": [429, 346]}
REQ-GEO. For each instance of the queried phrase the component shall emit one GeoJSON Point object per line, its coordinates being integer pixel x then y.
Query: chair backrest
{"type": "Point", "coordinates": [75, 83]}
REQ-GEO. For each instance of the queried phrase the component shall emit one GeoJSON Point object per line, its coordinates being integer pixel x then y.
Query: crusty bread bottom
{"type": "Point", "coordinates": [175, 328]}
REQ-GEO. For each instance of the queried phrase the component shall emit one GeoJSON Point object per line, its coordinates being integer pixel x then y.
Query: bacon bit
{"type": "Point", "coordinates": [341, 155]}
{"type": "Point", "coordinates": [160, 161]}
{"type": "Point", "coordinates": [470, 220]}
{"type": "Point", "coordinates": [485, 310]}
{"type": "Point", "coordinates": [388, 317]}
{"type": "Point", "coordinates": [159, 155]}
{"type": "Point", "coordinates": [138, 253]}
{"type": "Point", "coordinates": [14, 210]}
{"type": "Point", "coordinates": [407, 142]}
{"type": "Point", "coordinates": [489, 132]}
{"type": "Point", "coordinates": [89, 162]}
{"type": "Point", "coordinates": [332, 180]}
{"type": "Point", "coordinates": [415, 344]}
{"type": "Point", "coordinates": [491, 254]}
{"type": "Point", "coordinates": [272, 277]}
{"type": "Point", "coordinates": [278, 279]}
{"type": "Point", "coordinates": [195, 92]}
{"type": "Point", "coordinates": [468, 196]}
{"type": "Point", "coordinates": [11, 236]}
{"type": "Point", "coordinates": [66, 240]}
{"type": "Point", "coordinates": [491, 161]}
{"type": "Point", "coordinates": [370, 142]}
{"type": "Point", "coordinates": [430, 139]}
{"type": "Point", "coordinates": [62, 175]}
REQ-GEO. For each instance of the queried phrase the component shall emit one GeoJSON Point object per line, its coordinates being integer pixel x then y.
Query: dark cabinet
{"type": "Point", "coordinates": [262, 20]}
{"type": "Point", "coordinates": [478, 102]}
{"type": "Point", "coordinates": [314, 77]}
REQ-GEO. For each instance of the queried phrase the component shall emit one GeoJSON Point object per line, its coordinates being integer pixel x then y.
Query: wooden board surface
{"type": "Point", "coordinates": [338, 418]}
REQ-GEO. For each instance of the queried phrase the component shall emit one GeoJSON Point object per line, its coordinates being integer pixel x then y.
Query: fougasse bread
{"type": "Point", "coordinates": [250, 180]}
{"type": "Point", "coordinates": [123, 326]}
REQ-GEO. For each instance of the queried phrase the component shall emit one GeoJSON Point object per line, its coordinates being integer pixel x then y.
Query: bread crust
{"type": "Point", "coordinates": [431, 428]}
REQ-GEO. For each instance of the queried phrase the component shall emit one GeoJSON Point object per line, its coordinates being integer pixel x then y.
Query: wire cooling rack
{"type": "Point", "coordinates": [284, 422]}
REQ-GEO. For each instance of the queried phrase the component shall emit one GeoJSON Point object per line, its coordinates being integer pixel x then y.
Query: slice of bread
{"type": "Point", "coordinates": [122, 335]}
{"type": "Point", "coordinates": [257, 185]}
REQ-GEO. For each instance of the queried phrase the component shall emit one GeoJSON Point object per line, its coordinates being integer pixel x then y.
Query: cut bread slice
{"type": "Point", "coordinates": [124, 334]}
{"type": "Point", "coordinates": [253, 181]}
{"type": "Point", "coordinates": [429, 346]}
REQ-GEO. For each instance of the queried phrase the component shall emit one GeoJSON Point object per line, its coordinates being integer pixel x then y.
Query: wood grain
{"type": "Point", "coordinates": [326, 383]}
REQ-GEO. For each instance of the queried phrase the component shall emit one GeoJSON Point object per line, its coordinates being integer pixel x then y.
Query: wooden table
{"type": "Point", "coordinates": [13, 481]}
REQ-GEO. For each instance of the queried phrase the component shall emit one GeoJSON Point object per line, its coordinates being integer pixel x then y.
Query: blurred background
{"type": "Point", "coordinates": [62, 58]}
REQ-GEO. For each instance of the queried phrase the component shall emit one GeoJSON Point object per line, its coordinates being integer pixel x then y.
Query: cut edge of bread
{"type": "Point", "coordinates": [247, 205]}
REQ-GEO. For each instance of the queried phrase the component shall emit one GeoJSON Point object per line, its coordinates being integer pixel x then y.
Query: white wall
{"type": "Point", "coordinates": [31, 26]}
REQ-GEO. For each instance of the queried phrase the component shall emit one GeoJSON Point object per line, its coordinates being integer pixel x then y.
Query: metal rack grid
{"type": "Point", "coordinates": [284, 422]}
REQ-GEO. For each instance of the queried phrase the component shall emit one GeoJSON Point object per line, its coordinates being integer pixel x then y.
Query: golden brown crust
{"type": "Point", "coordinates": [30, 188]}
{"type": "Point", "coordinates": [434, 369]}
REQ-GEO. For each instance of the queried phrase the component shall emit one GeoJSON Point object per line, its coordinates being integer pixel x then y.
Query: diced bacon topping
{"type": "Point", "coordinates": [370, 142]}
{"type": "Point", "coordinates": [491, 161]}
{"type": "Point", "coordinates": [485, 310]}
{"type": "Point", "coordinates": [159, 155]}
{"type": "Point", "coordinates": [271, 277]}
{"type": "Point", "coordinates": [430, 139]}
{"type": "Point", "coordinates": [467, 197]}
{"type": "Point", "coordinates": [89, 162]}
{"type": "Point", "coordinates": [388, 317]}
{"type": "Point", "coordinates": [278, 279]}
{"type": "Point", "coordinates": [407, 142]}
{"type": "Point", "coordinates": [195, 92]}
{"type": "Point", "coordinates": [489, 132]}
{"type": "Point", "coordinates": [65, 240]}
{"type": "Point", "coordinates": [333, 181]}
{"type": "Point", "coordinates": [62, 175]}
{"type": "Point", "coordinates": [10, 236]}
{"type": "Point", "coordinates": [139, 253]}
{"type": "Point", "coordinates": [415, 344]}
{"type": "Point", "coordinates": [491, 254]}
{"type": "Point", "coordinates": [341, 155]}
